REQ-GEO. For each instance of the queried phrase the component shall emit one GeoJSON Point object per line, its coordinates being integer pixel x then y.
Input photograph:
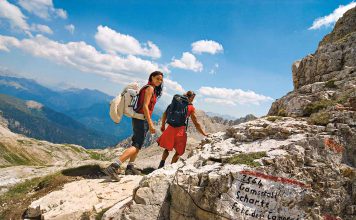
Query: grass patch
{"type": "Point", "coordinates": [20, 196]}
{"type": "Point", "coordinates": [15, 158]}
{"type": "Point", "coordinates": [74, 148]}
{"type": "Point", "coordinates": [273, 118]}
{"type": "Point", "coordinates": [320, 118]}
{"type": "Point", "coordinates": [330, 84]}
{"type": "Point", "coordinates": [24, 142]}
{"type": "Point", "coordinates": [92, 154]}
{"type": "Point", "coordinates": [317, 106]}
{"type": "Point", "coordinates": [20, 189]}
{"type": "Point", "coordinates": [282, 112]}
{"type": "Point", "coordinates": [96, 156]}
{"type": "Point", "coordinates": [247, 158]}
{"type": "Point", "coordinates": [345, 96]}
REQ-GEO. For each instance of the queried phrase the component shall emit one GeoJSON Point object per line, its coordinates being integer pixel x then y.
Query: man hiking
{"type": "Point", "coordinates": [148, 96]}
{"type": "Point", "coordinates": [176, 116]}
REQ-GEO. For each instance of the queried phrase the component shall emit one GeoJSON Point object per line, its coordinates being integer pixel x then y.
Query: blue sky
{"type": "Point", "coordinates": [236, 55]}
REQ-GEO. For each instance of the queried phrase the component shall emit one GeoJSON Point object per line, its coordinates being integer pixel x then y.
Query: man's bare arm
{"type": "Point", "coordinates": [164, 118]}
{"type": "Point", "coordinates": [197, 124]}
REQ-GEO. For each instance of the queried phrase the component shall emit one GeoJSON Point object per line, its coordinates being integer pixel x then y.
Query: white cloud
{"type": "Point", "coordinates": [70, 28]}
{"type": "Point", "coordinates": [206, 46]}
{"type": "Point", "coordinates": [231, 96]}
{"type": "Point", "coordinates": [84, 57]}
{"type": "Point", "coordinates": [41, 28]}
{"type": "Point", "coordinates": [330, 19]}
{"type": "Point", "coordinates": [114, 42]}
{"type": "Point", "coordinates": [214, 69]}
{"type": "Point", "coordinates": [219, 101]}
{"type": "Point", "coordinates": [7, 42]}
{"type": "Point", "coordinates": [61, 13]}
{"type": "Point", "coordinates": [42, 8]}
{"type": "Point", "coordinates": [189, 62]}
{"type": "Point", "coordinates": [173, 86]}
{"type": "Point", "coordinates": [170, 89]}
{"type": "Point", "coordinates": [14, 15]}
{"type": "Point", "coordinates": [18, 21]}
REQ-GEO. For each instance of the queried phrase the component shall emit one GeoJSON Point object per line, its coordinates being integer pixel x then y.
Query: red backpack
{"type": "Point", "coordinates": [137, 103]}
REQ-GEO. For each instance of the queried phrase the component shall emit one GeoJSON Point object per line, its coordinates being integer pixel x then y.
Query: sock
{"type": "Point", "coordinates": [117, 163]}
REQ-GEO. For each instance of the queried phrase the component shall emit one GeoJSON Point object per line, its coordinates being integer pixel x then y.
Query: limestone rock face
{"type": "Point", "coordinates": [327, 75]}
{"type": "Point", "coordinates": [301, 173]}
{"type": "Point", "coordinates": [336, 52]}
{"type": "Point", "coordinates": [83, 198]}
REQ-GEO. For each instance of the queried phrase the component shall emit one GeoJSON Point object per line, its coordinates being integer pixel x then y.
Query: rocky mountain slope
{"type": "Point", "coordinates": [62, 101]}
{"type": "Point", "coordinates": [85, 106]}
{"type": "Point", "coordinates": [35, 120]}
{"type": "Point", "coordinates": [34, 163]}
{"type": "Point", "coordinates": [23, 158]}
{"type": "Point", "coordinates": [296, 163]}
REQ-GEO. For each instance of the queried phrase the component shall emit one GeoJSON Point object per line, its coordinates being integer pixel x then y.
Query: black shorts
{"type": "Point", "coordinates": [140, 129]}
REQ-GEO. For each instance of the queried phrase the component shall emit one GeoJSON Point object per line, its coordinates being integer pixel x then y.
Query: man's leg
{"type": "Point", "coordinates": [175, 157]}
{"type": "Point", "coordinates": [164, 157]}
{"type": "Point", "coordinates": [165, 154]}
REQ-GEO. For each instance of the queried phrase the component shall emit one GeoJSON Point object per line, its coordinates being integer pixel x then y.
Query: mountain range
{"type": "Point", "coordinates": [72, 108]}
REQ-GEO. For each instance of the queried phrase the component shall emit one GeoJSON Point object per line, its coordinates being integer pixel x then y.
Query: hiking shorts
{"type": "Point", "coordinates": [140, 129]}
{"type": "Point", "coordinates": [174, 138]}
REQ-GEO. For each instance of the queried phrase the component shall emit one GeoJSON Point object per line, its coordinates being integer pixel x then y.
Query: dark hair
{"type": "Point", "coordinates": [158, 89]}
{"type": "Point", "coordinates": [189, 94]}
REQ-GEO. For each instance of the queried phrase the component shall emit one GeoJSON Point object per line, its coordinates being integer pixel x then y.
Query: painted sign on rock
{"type": "Point", "coordinates": [255, 195]}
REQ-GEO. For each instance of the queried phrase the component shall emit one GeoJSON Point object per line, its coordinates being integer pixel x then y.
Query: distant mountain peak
{"type": "Point", "coordinates": [10, 83]}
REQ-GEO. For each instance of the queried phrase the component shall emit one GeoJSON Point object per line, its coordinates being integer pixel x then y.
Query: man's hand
{"type": "Point", "coordinates": [163, 127]}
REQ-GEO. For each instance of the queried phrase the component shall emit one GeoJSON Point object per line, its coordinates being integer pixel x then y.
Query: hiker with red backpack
{"type": "Point", "coordinates": [146, 100]}
{"type": "Point", "coordinates": [176, 116]}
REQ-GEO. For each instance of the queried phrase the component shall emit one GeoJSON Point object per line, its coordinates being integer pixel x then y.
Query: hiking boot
{"type": "Point", "coordinates": [161, 164]}
{"type": "Point", "coordinates": [131, 170]}
{"type": "Point", "coordinates": [112, 172]}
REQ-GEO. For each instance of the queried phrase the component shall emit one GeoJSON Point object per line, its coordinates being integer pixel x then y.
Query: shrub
{"type": "Point", "coordinates": [320, 118]}
{"type": "Point", "coordinates": [330, 84]}
{"type": "Point", "coordinates": [315, 107]}
{"type": "Point", "coordinates": [247, 158]}
{"type": "Point", "coordinates": [282, 112]}
{"type": "Point", "coordinates": [273, 118]}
